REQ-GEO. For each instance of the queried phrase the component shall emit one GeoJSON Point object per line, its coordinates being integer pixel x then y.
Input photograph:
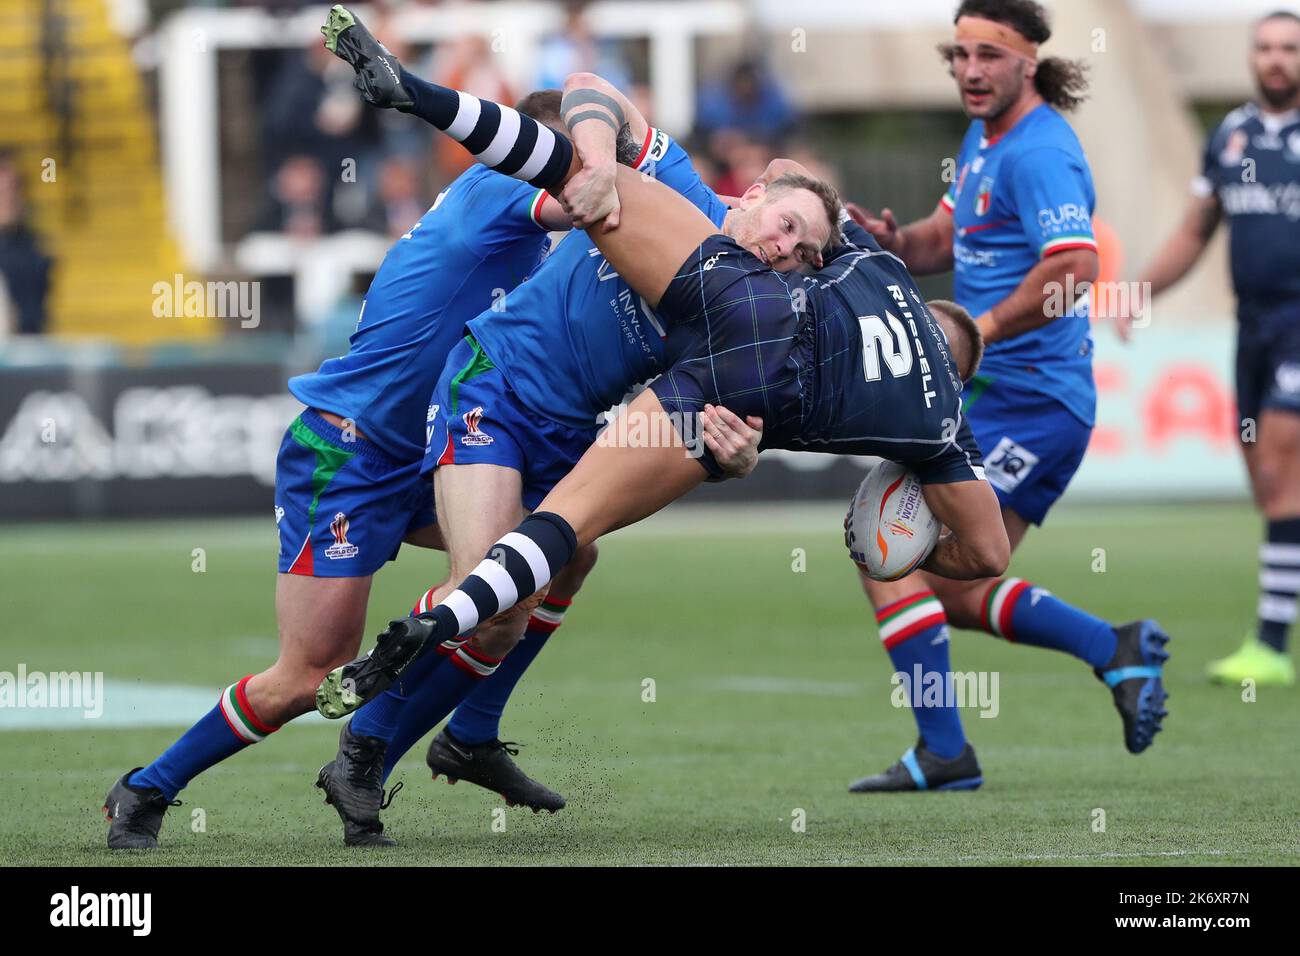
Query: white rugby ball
{"type": "Point", "coordinates": [890, 529]}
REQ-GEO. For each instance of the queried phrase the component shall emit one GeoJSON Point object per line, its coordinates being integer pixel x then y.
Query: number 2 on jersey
{"type": "Point", "coordinates": [889, 341]}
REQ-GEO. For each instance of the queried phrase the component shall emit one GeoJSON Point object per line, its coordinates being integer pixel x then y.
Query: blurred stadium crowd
{"type": "Point", "coordinates": [324, 163]}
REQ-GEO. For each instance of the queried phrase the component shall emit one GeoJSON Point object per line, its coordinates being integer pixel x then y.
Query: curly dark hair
{"type": "Point", "coordinates": [1062, 83]}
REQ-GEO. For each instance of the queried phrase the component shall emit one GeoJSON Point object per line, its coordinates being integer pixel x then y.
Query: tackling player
{"type": "Point", "coordinates": [849, 361]}
{"type": "Point", "coordinates": [1014, 228]}
{"type": "Point", "coordinates": [348, 486]}
{"type": "Point", "coordinates": [1251, 175]}
{"type": "Point", "coordinates": [507, 426]}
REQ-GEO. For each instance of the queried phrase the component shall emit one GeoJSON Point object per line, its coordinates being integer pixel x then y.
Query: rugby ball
{"type": "Point", "coordinates": [889, 529]}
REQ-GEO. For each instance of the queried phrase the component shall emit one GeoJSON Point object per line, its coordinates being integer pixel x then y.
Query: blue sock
{"type": "Point", "coordinates": [1027, 614]}
{"type": "Point", "coordinates": [434, 699]}
{"type": "Point", "coordinates": [914, 631]}
{"type": "Point", "coordinates": [478, 718]}
{"type": "Point", "coordinates": [222, 732]}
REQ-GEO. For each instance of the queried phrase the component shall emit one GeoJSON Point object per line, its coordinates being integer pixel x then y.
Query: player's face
{"type": "Point", "coordinates": [787, 229]}
{"type": "Point", "coordinates": [989, 80]}
{"type": "Point", "coordinates": [1275, 60]}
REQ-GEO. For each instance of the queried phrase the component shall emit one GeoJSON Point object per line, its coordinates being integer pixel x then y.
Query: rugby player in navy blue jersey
{"type": "Point", "coordinates": [518, 403]}
{"type": "Point", "coordinates": [1250, 175]}
{"type": "Point", "coordinates": [1016, 225]}
{"type": "Point", "coordinates": [849, 360]}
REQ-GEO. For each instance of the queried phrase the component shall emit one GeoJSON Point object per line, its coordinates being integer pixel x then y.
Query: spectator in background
{"type": "Point", "coordinates": [400, 196]}
{"type": "Point", "coordinates": [24, 267]}
{"type": "Point", "coordinates": [749, 101]}
{"type": "Point", "coordinates": [313, 113]}
{"type": "Point", "coordinates": [574, 49]}
{"type": "Point", "coordinates": [297, 203]}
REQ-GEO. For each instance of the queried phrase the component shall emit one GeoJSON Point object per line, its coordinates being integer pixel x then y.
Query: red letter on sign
{"type": "Point", "coordinates": [1187, 401]}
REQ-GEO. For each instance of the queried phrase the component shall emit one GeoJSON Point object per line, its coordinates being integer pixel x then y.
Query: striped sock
{"type": "Point", "coordinates": [1279, 581]}
{"type": "Point", "coordinates": [222, 732]}
{"type": "Point", "coordinates": [478, 718]}
{"type": "Point", "coordinates": [379, 717]}
{"type": "Point", "coordinates": [497, 136]}
{"type": "Point", "coordinates": [437, 697]}
{"type": "Point", "coordinates": [517, 566]}
{"type": "Point", "coordinates": [1024, 613]}
{"type": "Point", "coordinates": [914, 630]}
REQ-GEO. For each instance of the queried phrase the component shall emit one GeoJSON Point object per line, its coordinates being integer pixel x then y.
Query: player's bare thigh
{"type": "Point", "coordinates": [960, 599]}
{"type": "Point", "coordinates": [657, 232]}
{"type": "Point", "coordinates": [613, 485]}
{"type": "Point", "coordinates": [321, 623]}
{"type": "Point", "coordinates": [1275, 468]}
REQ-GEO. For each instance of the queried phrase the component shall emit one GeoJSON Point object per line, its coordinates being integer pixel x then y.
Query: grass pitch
{"type": "Point", "coordinates": [771, 694]}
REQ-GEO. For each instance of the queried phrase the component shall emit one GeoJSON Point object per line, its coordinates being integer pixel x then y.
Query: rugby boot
{"type": "Point", "coordinates": [1134, 676]}
{"type": "Point", "coordinates": [1256, 661]}
{"type": "Point", "coordinates": [134, 814]}
{"type": "Point", "coordinates": [379, 74]}
{"type": "Point", "coordinates": [919, 769]}
{"type": "Point", "coordinates": [489, 765]}
{"type": "Point", "coordinates": [354, 785]}
{"type": "Point", "coordinates": [346, 688]}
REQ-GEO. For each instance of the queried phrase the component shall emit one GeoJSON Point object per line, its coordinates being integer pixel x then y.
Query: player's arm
{"type": "Point", "coordinates": [1051, 197]}
{"type": "Point", "coordinates": [925, 246]}
{"type": "Point", "coordinates": [975, 544]}
{"type": "Point", "coordinates": [1182, 250]}
{"type": "Point", "coordinates": [598, 118]}
{"type": "Point", "coordinates": [1031, 305]}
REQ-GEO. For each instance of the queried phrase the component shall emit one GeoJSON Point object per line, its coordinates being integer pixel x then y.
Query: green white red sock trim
{"type": "Point", "coordinates": [549, 615]}
{"type": "Point", "coordinates": [999, 604]}
{"type": "Point", "coordinates": [239, 715]}
{"type": "Point", "coordinates": [474, 662]}
{"type": "Point", "coordinates": [908, 617]}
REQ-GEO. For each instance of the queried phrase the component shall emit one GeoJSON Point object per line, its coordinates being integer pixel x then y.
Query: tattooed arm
{"type": "Point", "coordinates": [606, 129]}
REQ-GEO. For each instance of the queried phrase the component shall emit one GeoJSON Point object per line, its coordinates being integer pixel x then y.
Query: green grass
{"type": "Point", "coordinates": [772, 694]}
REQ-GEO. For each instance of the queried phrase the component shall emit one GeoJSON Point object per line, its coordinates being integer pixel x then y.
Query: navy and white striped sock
{"type": "Point", "coordinates": [497, 136]}
{"type": "Point", "coordinates": [517, 566]}
{"type": "Point", "coordinates": [1279, 581]}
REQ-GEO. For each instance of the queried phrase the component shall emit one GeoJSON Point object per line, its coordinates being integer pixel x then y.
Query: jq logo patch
{"type": "Point", "coordinates": [1008, 465]}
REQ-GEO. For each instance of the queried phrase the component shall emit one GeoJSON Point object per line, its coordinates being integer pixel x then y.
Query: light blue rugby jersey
{"type": "Point", "coordinates": [1018, 198]}
{"type": "Point", "coordinates": [574, 338]}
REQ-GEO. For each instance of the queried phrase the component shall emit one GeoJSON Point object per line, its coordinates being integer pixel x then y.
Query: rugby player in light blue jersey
{"type": "Point", "coordinates": [1016, 229]}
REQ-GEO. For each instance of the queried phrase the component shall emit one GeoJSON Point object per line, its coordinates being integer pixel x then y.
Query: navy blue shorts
{"type": "Point", "coordinates": [736, 339]}
{"type": "Point", "coordinates": [1268, 361]}
{"type": "Point", "coordinates": [342, 507]}
{"type": "Point", "coordinates": [475, 417]}
{"type": "Point", "coordinates": [1032, 445]}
